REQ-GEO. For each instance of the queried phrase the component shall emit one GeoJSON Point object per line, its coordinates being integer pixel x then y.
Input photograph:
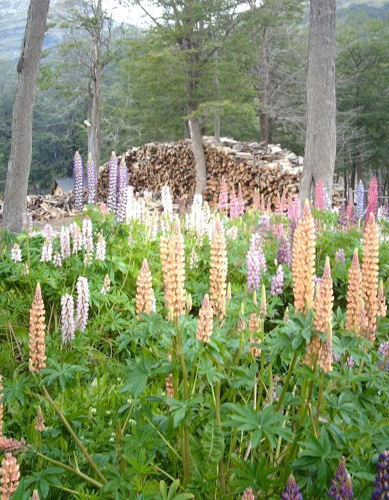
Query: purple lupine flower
{"type": "Point", "coordinates": [291, 491]}
{"type": "Point", "coordinates": [100, 248]}
{"type": "Point", "coordinates": [253, 270]}
{"type": "Point", "coordinates": [360, 200]}
{"type": "Point", "coordinates": [78, 172]}
{"type": "Point", "coordinates": [47, 251]}
{"type": "Point", "coordinates": [16, 254]}
{"type": "Point", "coordinates": [121, 207]}
{"type": "Point", "coordinates": [277, 283]}
{"type": "Point", "coordinates": [91, 179]}
{"type": "Point", "coordinates": [341, 487]}
{"type": "Point", "coordinates": [284, 254]}
{"type": "Point", "coordinates": [381, 482]}
{"type": "Point", "coordinates": [65, 242]}
{"type": "Point", "coordinates": [350, 362]}
{"type": "Point", "coordinates": [67, 319]}
{"type": "Point", "coordinates": [372, 198]}
{"type": "Point", "coordinates": [335, 357]}
{"type": "Point", "coordinates": [256, 246]}
{"type": "Point", "coordinates": [112, 181]}
{"type": "Point", "coordinates": [57, 260]}
{"type": "Point", "coordinates": [340, 255]}
{"type": "Point", "coordinates": [87, 238]}
{"type": "Point", "coordinates": [264, 224]}
{"type": "Point", "coordinates": [82, 303]}
{"type": "Point", "coordinates": [76, 235]}
{"type": "Point", "coordinates": [384, 350]}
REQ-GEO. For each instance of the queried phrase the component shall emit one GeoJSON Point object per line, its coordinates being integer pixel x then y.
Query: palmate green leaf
{"type": "Point", "coordinates": [61, 373]}
{"type": "Point", "coordinates": [263, 423]}
{"type": "Point", "coordinates": [16, 389]}
{"type": "Point", "coordinates": [137, 378]}
{"type": "Point", "coordinates": [213, 442]}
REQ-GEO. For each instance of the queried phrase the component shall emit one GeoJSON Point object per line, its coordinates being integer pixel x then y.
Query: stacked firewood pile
{"type": "Point", "coordinates": [46, 207]}
{"type": "Point", "coordinates": [270, 169]}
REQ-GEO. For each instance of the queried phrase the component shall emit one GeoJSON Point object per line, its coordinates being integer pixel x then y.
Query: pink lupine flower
{"type": "Point", "coordinates": [234, 205]}
{"type": "Point", "coordinates": [264, 224]}
{"type": "Point", "coordinates": [9, 476]}
{"type": "Point", "coordinates": [82, 303]}
{"type": "Point", "coordinates": [223, 196]}
{"type": "Point", "coordinates": [253, 271]}
{"type": "Point", "coordinates": [57, 260]}
{"type": "Point", "coordinates": [277, 283]}
{"type": "Point", "coordinates": [294, 209]}
{"type": "Point", "coordinates": [372, 198]}
{"type": "Point", "coordinates": [100, 248]}
{"type": "Point", "coordinates": [16, 254]}
{"type": "Point", "coordinates": [67, 319]}
{"type": "Point", "coordinates": [87, 238]}
{"type": "Point", "coordinates": [65, 242]}
{"type": "Point", "coordinates": [47, 251]}
{"type": "Point", "coordinates": [278, 230]}
{"type": "Point", "coordinates": [256, 246]}
{"type": "Point", "coordinates": [320, 198]}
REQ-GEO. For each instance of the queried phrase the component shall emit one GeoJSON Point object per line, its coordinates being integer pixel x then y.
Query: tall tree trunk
{"type": "Point", "coordinates": [320, 145]}
{"type": "Point", "coordinates": [94, 135]}
{"type": "Point", "coordinates": [198, 153]}
{"type": "Point", "coordinates": [217, 124]}
{"type": "Point", "coordinates": [19, 163]}
{"type": "Point", "coordinates": [263, 87]}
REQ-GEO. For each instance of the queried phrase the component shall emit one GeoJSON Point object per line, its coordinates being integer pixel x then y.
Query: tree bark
{"type": "Point", "coordinates": [94, 135]}
{"type": "Point", "coordinates": [15, 200]}
{"type": "Point", "coordinates": [198, 153]}
{"type": "Point", "coordinates": [320, 145]}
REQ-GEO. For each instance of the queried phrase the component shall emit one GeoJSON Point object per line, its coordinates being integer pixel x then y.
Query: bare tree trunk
{"type": "Point", "coordinates": [94, 136]}
{"type": "Point", "coordinates": [198, 152]}
{"type": "Point", "coordinates": [21, 142]}
{"type": "Point", "coordinates": [263, 86]}
{"type": "Point", "coordinates": [217, 124]}
{"type": "Point", "coordinates": [320, 145]}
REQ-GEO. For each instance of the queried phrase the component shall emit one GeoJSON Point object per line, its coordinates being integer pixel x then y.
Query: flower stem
{"type": "Point", "coordinates": [287, 380]}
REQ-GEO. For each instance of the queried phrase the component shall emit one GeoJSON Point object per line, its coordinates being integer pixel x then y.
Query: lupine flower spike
{"type": "Point", "coordinates": [234, 205]}
{"type": "Point", "coordinates": [248, 494]}
{"type": "Point", "coordinates": [144, 291]}
{"type": "Point", "coordinates": [291, 491]}
{"type": "Point", "coordinates": [205, 321]}
{"type": "Point", "coordinates": [112, 181]}
{"type": "Point", "coordinates": [172, 252]}
{"type": "Point", "coordinates": [317, 350]}
{"type": "Point", "coordinates": [372, 198]}
{"type": "Point", "coordinates": [16, 254]}
{"type": "Point", "coordinates": [37, 332]}
{"type": "Point", "coordinates": [78, 173]}
{"type": "Point", "coordinates": [284, 254]}
{"type": "Point", "coordinates": [223, 196]}
{"type": "Point", "coordinates": [100, 248]}
{"type": "Point", "coordinates": [35, 495]}
{"type": "Point", "coordinates": [303, 261]}
{"type": "Point", "coordinates": [67, 319]}
{"type": "Point", "coordinates": [106, 285]}
{"type": "Point", "coordinates": [277, 283]}
{"type": "Point", "coordinates": [39, 422]}
{"type": "Point", "coordinates": [218, 271]}
{"type": "Point", "coordinates": [240, 200]}
{"type": "Point", "coordinates": [169, 386]}
{"type": "Point", "coordinates": [381, 301]}
{"type": "Point", "coordinates": [122, 183]}
{"type": "Point", "coordinates": [381, 482]}
{"type": "Point", "coordinates": [341, 487]}
{"type": "Point", "coordinates": [360, 200]}
{"type": "Point", "coordinates": [82, 303]}
{"type": "Point", "coordinates": [354, 296]}
{"type": "Point", "coordinates": [65, 242]}
{"type": "Point", "coordinates": [91, 176]}
{"type": "Point", "coordinates": [320, 199]}
{"type": "Point", "coordinates": [370, 275]}
{"type": "Point", "coordinates": [9, 476]}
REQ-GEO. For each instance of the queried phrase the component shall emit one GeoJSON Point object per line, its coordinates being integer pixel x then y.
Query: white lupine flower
{"type": "Point", "coordinates": [100, 248]}
{"type": "Point", "coordinates": [65, 242]}
{"type": "Point", "coordinates": [87, 238]}
{"type": "Point", "coordinates": [82, 303]}
{"type": "Point", "coordinates": [47, 251]}
{"type": "Point", "coordinates": [167, 202]}
{"type": "Point", "coordinates": [16, 254]}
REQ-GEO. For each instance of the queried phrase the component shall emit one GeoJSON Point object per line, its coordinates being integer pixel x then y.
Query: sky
{"type": "Point", "coordinates": [132, 14]}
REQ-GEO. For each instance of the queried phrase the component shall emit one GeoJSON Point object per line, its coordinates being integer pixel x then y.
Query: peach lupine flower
{"type": "Point", "coordinates": [303, 261]}
{"type": "Point", "coordinates": [218, 270]}
{"type": "Point", "coordinates": [35, 495]}
{"type": "Point", "coordinates": [354, 296]}
{"type": "Point", "coordinates": [144, 291]}
{"type": "Point", "coordinates": [37, 332]}
{"type": "Point", "coordinates": [254, 327]}
{"type": "Point", "coordinates": [205, 321]}
{"type": "Point", "coordinates": [370, 275]}
{"type": "Point", "coordinates": [248, 494]}
{"type": "Point", "coordinates": [10, 444]}
{"type": "Point", "coordinates": [9, 476]}
{"type": "Point", "coordinates": [172, 252]}
{"type": "Point", "coordinates": [381, 301]}
{"type": "Point", "coordinates": [39, 422]}
{"type": "Point", "coordinates": [169, 386]}
{"type": "Point", "coordinates": [317, 350]}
